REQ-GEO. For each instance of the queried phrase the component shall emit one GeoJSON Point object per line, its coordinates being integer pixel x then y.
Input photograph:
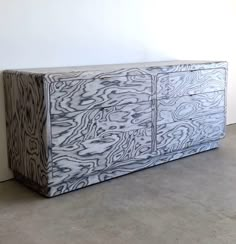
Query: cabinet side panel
{"type": "Point", "coordinates": [26, 122]}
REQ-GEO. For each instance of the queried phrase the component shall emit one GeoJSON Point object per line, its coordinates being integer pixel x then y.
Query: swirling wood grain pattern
{"type": "Point", "coordinates": [187, 133]}
{"type": "Point", "coordinates": [72, 94]}
{"type": "Point", "coordinates": [150, 68]}
{"type": "Point", "coordinates": [70, 129]}
{"type": "Point", "coordinates": [186, 107]}
{"type": "Point", "coordinates": [76, 95]}
{"type": "Point", "coordinates": [76, 127]}
{"type": "Point", "coordinates": [87, 141]}
{"type": "Point", "coordinates": [120, 168]}
{"type": "Point", "coordinates": [27, 132]}
{"type": "Point", "coordinates": [99, 153]}
{"type": "Point", "coordinates": [195, 82]}
{"type": "Point", "coordinates": [58, 187]}
{"type": "Point", "coordinates": [186, 66]}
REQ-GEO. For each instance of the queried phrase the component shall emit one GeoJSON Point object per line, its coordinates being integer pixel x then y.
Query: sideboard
{"type": "Point", "coordinates": [71, 127]}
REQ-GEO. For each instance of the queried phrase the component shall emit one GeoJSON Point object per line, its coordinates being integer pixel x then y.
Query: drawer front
{"type": "Point", "coordinates": [92, 140]}
{"type": "Point", "coordinates": [188, 107]}
{"type": "Point", "coordinates": [89, 156]}
{"type": "Point", "coordinates": [182, 134]}
{"type": "Point", "coordinates": [76, 95]}
{"type": "Point", "coordinates": [85, 125]}
{"type": "Point", "coordinates": [191, 82]}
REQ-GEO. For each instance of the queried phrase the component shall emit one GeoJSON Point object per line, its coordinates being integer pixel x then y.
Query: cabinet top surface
{"type": "Point", "coordinates": [115, 66]}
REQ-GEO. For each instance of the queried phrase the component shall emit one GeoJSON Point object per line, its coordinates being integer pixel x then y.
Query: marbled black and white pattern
{"type": "Point", "coordinates": [186, 133]}
{"type": "Point", "coordinates": [28, 137]}
{"type": "Point", "coordinates": [76, 95]}
{"type": "Point", "coordinates": [69, 128]}
{"type": "Point", "coordinates": [188, 107]}
{"type": "Point", "coordinates": [193, 82]}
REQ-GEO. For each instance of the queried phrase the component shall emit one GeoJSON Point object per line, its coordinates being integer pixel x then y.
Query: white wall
{"type": "Point", "coordinates": [44, 33]}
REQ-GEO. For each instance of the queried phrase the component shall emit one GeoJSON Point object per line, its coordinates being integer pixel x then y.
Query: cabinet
{"type": "Point", "coordinates": [68, 128]}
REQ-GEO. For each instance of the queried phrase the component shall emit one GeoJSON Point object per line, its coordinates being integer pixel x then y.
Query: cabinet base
{"type": "Point", "coordinates": [115, 170]}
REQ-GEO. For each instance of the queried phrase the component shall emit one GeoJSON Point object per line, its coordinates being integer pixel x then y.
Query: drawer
{"type": "Point", "coordinates": [76, 127]}
{"type": "Point", "coordinates": [91, 155]}
{"type": "Point", "coordinates": [182, 134]}
{"type": "Point", "coordinates": [186, 107]}
{"type": "Point", "coordinates": [190, 82]}
{"type": "Point", "coordinates": [76, 95]}
{"type": "Point", "coordinates": [91, 140]}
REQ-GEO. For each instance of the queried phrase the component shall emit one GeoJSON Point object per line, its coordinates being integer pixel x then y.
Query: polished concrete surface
{"type": "Point", "coordinates": [192, 200]}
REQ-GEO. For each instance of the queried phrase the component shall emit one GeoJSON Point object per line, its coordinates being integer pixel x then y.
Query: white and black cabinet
{"type": "Point", "coordinates": [68, 128]}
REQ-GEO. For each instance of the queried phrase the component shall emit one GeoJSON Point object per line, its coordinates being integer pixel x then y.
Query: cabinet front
{"type": "Point", "coordinates": [188, 107]}
{"type": "Point", "coordinates": [186, 133]}
{"type": "Point", "coordinates": [71, 95]}
{"type": "Point", "coordinates": [192, 112]}
{"type": "Point", "coordinates": [190, 82]}
{"type": "Point", "coordinates": [86, 141]}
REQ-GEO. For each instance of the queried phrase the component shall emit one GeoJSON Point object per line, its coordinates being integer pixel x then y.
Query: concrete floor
{"type": "Point", "coordinates": [192, 200]}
